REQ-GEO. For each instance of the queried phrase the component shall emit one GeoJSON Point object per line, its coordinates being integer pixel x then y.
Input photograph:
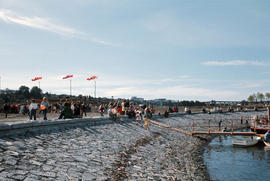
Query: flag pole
{"type": "Point", "coordinates": [70, 86]}
{"type": "Point", "coordinates": [90, 89]}
{"type": "Point", "coordinates": [93, 78]}
{"type": "Point", "coordinates": [95, 89]}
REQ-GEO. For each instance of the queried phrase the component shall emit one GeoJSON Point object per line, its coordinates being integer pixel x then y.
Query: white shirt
{"type": "Point", "coordinates": [33, 106]}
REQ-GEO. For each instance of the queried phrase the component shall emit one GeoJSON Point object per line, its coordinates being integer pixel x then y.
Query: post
{"type": "Point", "coordinates": [241, 120]}
{"type": "Point", "coordinates": [39, 84]}
{"type": "Point", "coordinates": [192, 126]}
{"type": "Point", "coordinates": [268, 111]}
{"type": "Point", "coordinates": [209, 126]}
{"type": "Point", "coordinates": [232, 126]}
{"type": "Point", "coordinates": [254, 124]}
{"type": "Point", "coordinates": [95, 89]}
{"type": "Point", "coordinates": [70, 87]}
{"type": "Point", "coordinates": [90, 90]}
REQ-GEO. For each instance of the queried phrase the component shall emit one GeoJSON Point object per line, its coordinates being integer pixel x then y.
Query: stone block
{"type": "Point", "coordinates": [4, 127]}
{"type": "Point", "coordinates": [21, 125]}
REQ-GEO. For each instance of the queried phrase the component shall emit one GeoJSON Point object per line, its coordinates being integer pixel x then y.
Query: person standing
{"type": "Point", "coordinates": [147, 116]}
{"type": "Point", "coordinates": [77, 110]}
{"type": "Point", "coordinates": [101, 110]}
{"type": "Point", "coordinates": [219, 125]}
{"type": "Point", "coordinates": [33, 109]}
{"type": "Point", "coordinates": [84, 110]}
{"type": "Point", "coordinates": [6, 109]}
{"type": "Point", "coordinates": [123, 107]}
{"type": "Point", "coordinates": [44, 107]}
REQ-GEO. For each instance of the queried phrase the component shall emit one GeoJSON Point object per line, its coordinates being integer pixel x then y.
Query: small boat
{"type": "Point", "coordinates": [260, 124]}
{"type": "Point", "coordinates": [266, 143]}
{"type": "Point", "coordinates": [246, 141]}
{"type": "Point", "coordinates": [261, 129]}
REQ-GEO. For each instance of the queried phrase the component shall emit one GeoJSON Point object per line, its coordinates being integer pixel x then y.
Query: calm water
{"type": "Point", "coordinates": [227, 162]}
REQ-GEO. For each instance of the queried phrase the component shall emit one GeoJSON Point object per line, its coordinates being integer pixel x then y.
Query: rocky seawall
{"type": "Point", "coordinates": [108, 150]}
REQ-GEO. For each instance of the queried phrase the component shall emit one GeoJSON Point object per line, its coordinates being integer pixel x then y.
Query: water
{"type": "Point", "coordinates": [227, 162]}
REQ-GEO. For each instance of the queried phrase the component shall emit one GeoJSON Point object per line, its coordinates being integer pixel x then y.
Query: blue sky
{"type": "Point", "coordinates": [175, 49]}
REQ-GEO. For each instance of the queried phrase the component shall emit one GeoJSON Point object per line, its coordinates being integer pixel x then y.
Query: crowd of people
{"type": "Point", "coordinates": [34, 108]}
{"type": "Point", "coordinates": [68, 109]}
{"type": "Point", "coordinates": [125, 107]}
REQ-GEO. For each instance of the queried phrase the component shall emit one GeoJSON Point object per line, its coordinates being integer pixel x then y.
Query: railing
{"type": "Point", "coordinates": [205, 129]}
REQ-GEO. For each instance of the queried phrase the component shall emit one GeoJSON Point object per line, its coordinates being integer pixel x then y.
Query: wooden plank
{"type": "Point", "coordinates": [224, 133]}
{"type": "Point", "coordinates": [171, 128]}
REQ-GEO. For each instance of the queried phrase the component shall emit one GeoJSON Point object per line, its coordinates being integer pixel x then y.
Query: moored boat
{"type": "Point", "coordinates": [266, 143]}
{"type": "Point", "coordinates": [251, 141]}
{"type": "Point", "coordinates": [260, 129]}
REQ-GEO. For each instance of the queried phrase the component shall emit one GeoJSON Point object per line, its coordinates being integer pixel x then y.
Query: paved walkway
{"type": "Point", "coordinates": [15, 118]}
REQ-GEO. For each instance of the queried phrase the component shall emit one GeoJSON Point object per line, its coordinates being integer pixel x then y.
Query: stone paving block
{"type": "Point", "coordinates": [4, 127]}
{"type": "Point", "coordinates": [18, 177]}
{"type": "Point", "coordinates": [21, 125]}
{"type": "Point", "coordinates": [32, 177]}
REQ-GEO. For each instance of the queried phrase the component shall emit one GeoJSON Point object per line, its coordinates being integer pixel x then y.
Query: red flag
{"type": "Point", "coordinates": [68, 76]}
{"type": "Point", "coordinates": [36, 78]}
{"type": "Point", "coordinates": [92, 77]}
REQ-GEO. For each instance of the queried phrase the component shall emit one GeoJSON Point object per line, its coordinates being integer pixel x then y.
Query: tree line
{"type": "Point", "coordinates": [20, 95]}
{"type": "Point", "coordinates": [259, 97]}
{"type": "Point", "coordinates": [25, 93]}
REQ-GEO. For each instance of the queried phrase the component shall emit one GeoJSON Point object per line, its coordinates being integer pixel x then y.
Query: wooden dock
{"type": "Point", "coordinates": [224, 133]}
{"type": "Point", "coordinates": [208, 132]}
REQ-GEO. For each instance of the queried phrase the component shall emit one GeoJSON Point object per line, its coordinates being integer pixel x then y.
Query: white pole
{"type": "Point", "coordinates": [70, 87]}
{"type": "Point", "coordinates": [95, 89]}
{"type": "Point", "coordinates": [90, 89]}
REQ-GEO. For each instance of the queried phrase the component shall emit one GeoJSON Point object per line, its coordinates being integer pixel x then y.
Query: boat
{"type": "Point", "coordinates": [260, 129]}
{"type": "Point", "coordinates": [266, 143]}
{"type": "Point", "coordinates": [251, 141]}
{"type": "Point", "coordinates": [260, 124]}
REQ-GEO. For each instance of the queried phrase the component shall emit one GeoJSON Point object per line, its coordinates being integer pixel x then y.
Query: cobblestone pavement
{"type": "Point", "coordinates": [118, 151]}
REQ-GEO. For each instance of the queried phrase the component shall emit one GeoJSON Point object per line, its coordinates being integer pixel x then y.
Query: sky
{"type": "Point", "coordinates": [174, 49]}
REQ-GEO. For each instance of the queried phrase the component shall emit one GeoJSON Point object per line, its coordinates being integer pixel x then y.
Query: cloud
{"type": "Point", "coordinates": [175, 92]}
{"type": "Point", "coordinates": [113, 85]}
{"type": "Point", "coordinates": [234, 63]}
{"type": "Point", "coordinates": [47, 25]}
{"type": "Point", "coordinates": [37, 22]}
{"type": "Point", "coordinates": [248, 84]}
{"type": "Point", "coordinates": [265, 73]}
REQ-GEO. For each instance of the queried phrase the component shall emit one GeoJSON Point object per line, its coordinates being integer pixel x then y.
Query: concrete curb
{"type": "Point", "coordinates": [47, 125]}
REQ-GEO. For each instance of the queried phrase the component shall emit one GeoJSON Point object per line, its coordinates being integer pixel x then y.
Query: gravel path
{"type": "Point", "coordinates": [121, 150]}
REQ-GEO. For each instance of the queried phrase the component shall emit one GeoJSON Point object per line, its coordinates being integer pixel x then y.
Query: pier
{"type": "Point", "coordinates": [194, 130]}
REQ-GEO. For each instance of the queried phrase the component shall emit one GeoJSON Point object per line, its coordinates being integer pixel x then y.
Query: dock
{"type": "Point", "coordinates": [208, 130]}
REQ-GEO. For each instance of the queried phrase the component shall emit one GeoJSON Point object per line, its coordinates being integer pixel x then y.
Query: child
{"type": "Point", "coordinates": [138, 117]}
